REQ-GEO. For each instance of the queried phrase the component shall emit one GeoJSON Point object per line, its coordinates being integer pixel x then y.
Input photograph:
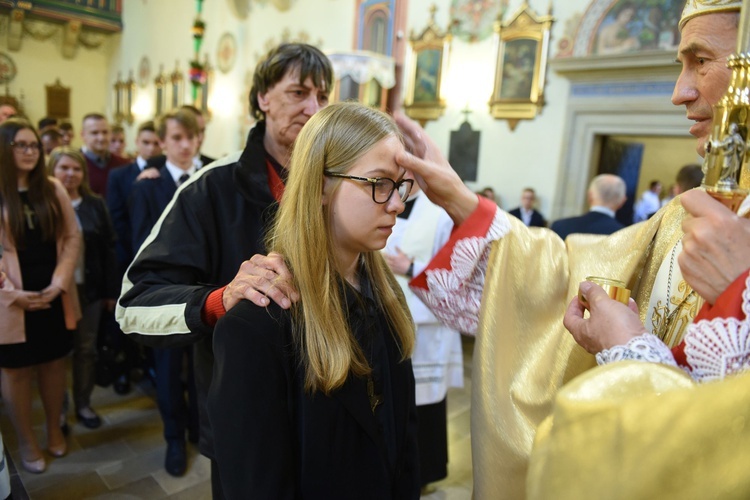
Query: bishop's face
{"type": "Point", "coordinates": [706, 43]}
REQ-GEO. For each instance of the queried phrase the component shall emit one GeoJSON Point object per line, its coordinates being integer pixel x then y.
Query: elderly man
{"type": "Point", "coordinates": [190, 269]}
{"type": "Point", "coordinates": [526, 353]}
{"type": "Point", "coordinates": [606, 195]}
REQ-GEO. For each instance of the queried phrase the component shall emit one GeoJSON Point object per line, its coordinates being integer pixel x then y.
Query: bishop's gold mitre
{"type": "Point", "coordinates": [694, 8]}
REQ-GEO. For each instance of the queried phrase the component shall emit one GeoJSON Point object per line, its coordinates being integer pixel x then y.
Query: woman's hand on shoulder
{"type": "Point", "coordinates": [261, 279]}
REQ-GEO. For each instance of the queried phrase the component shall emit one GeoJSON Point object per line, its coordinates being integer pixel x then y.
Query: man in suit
{"type": "Point", "coordinates": [199, 160]}
{"type": "Point", "coordinates": [606, 195]}
{"type": "Point", "coordinates": [119, 186]}
{"type": "Point", "coordinates": [95, 136]}
{"type": "Point", "coordinates": [178, 137]}
{"type": "Point", "coordinates": [649, 203]}
{"type": "Point", "coordinates": [526, 212]}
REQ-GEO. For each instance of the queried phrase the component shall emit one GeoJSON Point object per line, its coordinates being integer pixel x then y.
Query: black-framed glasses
{"type": "Point", "coordinates": [25, 147]}
{"type": "Point", "coordinates": [382, 187]}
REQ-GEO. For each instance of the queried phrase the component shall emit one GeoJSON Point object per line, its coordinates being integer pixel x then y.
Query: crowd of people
{"type": "Point", "coordinates": [324, 373]}
{"type": "Point", "coordinates": [66, 244]}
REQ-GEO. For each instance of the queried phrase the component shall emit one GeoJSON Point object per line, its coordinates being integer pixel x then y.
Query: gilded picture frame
{"type": "Point", "coordinates": [427, 63]}
{"type": "Point", "coordinates": [123, 100]}
{"type": "Point", "coordinates": [160, 87]}
{"type": "Point", "coordinates": [520, 65]}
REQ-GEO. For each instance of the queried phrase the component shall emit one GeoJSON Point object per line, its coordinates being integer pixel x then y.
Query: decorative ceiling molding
{"type": "Point", "coordinates": [68, 36]}
{"type": "Point", "coordinates": [102, 15]}
{"type": "Point", "coordinates": [650, 66]}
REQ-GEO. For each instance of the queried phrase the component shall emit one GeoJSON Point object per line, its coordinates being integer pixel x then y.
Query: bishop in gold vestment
{"type": "Point", "coordinates": [519, 280]}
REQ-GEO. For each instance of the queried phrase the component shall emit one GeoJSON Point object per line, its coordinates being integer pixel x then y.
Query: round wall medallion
{"type": "Point", "coordinates": [144, 72]}
{"type": "Point", "coordinates": [7, 68]}
{"type": "Point", "coordinates": [226, 52]}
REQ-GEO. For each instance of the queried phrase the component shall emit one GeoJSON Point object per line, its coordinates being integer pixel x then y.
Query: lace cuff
{"type": "Point", "coordinates": [454, 295]}
{"type": "Point", "coordinates": [646, 347]}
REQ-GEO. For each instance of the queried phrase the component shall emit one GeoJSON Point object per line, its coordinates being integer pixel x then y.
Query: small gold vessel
{"type": "Point", "coordinates": [616, 289]}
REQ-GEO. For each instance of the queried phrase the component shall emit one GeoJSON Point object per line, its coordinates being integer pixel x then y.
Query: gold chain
{"type": "Point", "coordinates": [662, 322]}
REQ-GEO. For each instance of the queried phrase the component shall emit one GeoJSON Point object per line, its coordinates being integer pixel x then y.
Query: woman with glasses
{"type": "Point", "coordinates": [38, 301]}
{"type": "Point", "coordinates": [96, 275]}
{"type": "Point", "coordinates": [318, 401]}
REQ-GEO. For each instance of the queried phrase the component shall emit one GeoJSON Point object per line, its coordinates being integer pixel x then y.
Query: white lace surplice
{"type": "Point", "coordinates": [714, 348]}
{"type": "Point", "coordinates": [455, 294]}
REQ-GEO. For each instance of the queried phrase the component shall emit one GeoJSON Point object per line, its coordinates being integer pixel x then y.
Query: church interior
{"type": "Point", "coordinates": [585, 97]}
{"type": "Point", "coordinates": [542, 94]}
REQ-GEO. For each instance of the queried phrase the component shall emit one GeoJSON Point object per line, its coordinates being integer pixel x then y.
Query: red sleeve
{"type": "Point", "coordinates": [728, 305]}
{"type": "Point", "coordinates": [213, 308]}
{"type": "Point", "coordinates": [476, 225]}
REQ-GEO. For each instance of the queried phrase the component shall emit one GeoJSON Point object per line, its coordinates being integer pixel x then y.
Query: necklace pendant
{"type": "Point", "coordinates": [375, 399]}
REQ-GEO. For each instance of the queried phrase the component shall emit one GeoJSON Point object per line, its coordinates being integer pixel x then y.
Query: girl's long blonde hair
{"type": "Point", "coordinates": [332, 140]}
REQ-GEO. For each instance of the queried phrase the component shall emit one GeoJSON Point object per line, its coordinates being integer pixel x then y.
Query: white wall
{"type": "Point", "coordinates": [161, 30]}
{"type": "Point", "coordinates": [531, 155]}
{"type": "Point", "coordinates": [508, 161]}
{"type": "Point", "coordinates": [40, 63]}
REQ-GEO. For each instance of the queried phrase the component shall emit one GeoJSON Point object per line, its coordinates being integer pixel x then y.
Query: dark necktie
{"type": "Point", "coordinates": [408, 205]}
{"type": "Point", "coordinates": [182, 179]}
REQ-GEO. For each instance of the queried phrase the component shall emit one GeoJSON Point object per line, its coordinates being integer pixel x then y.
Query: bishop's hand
{"type": "Point", "coordinates": [610, 322]}
{"type": "Point", "coordinates": [433, 173]}
{"type": "Point", "coordinates": [715, 245]}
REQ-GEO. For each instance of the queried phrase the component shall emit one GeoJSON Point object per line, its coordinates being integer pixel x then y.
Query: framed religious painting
{"type": "Point", "coordinates": [521, 64]}
{"type": "Point", "coordinates": [427, 63]}
{"type": "Point", "coordinates": [58, 100]}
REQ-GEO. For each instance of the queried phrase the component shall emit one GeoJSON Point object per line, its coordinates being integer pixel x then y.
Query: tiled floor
{"type": "Point", "coordinates": [124, 459]}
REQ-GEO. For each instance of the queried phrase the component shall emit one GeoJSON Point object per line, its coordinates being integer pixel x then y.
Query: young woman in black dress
{"type": "Point", "coordinates": [38, 301]}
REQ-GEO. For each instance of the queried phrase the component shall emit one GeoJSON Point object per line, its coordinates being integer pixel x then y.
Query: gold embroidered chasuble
{"type": "Point", "coordinates": [635, 430]}
{"type": "Point", "coordinates": [523, 353]}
